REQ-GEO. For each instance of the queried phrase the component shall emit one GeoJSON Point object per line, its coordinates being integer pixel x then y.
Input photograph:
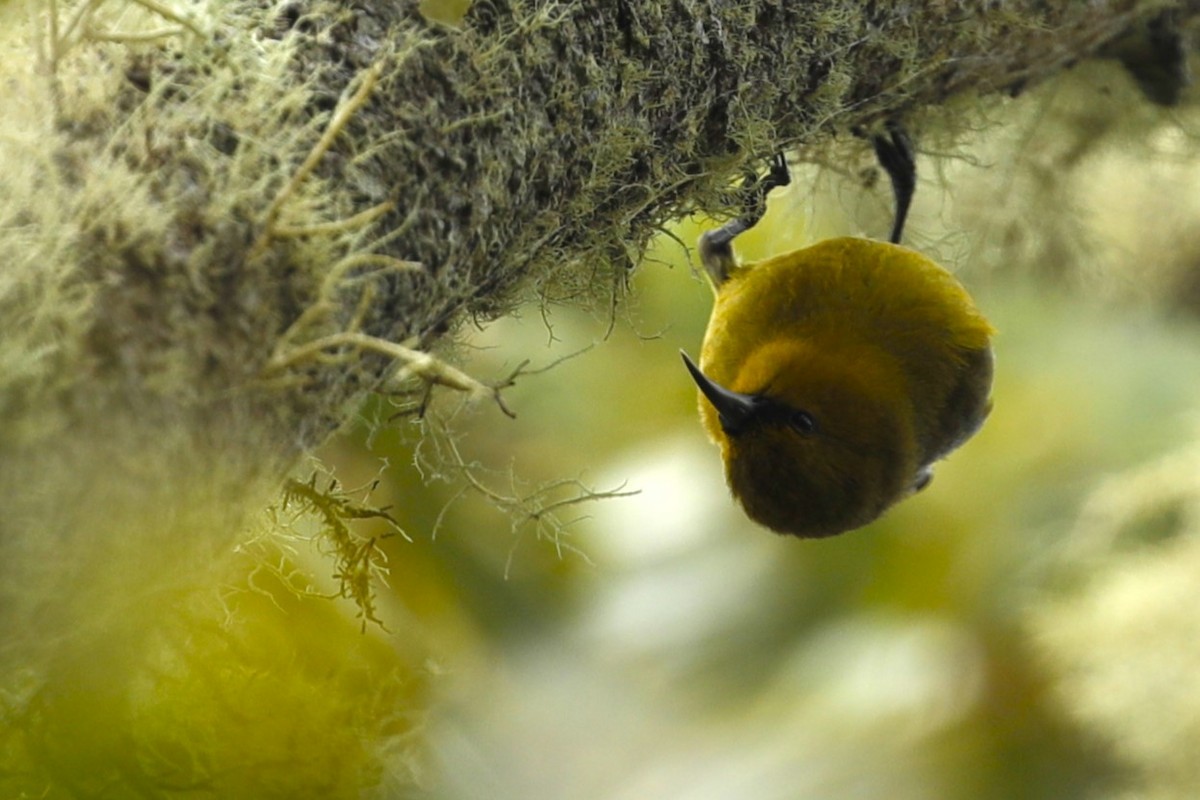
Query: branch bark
{"type": "Point", "coordinates": [539, 144]}
{"type": "Point", "coordinates": [192, 203]}
{"type": "Point", "coordinates": [219, 231]}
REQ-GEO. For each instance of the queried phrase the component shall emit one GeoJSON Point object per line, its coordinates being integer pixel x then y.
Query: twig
{"type": "Point", "coordinates": [413, 363]}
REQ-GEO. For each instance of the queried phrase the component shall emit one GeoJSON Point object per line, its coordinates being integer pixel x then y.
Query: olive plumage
{"type": "Point", "coordinates": [833, 377]}
{"type": "Point", "coordinates": [849, 367]}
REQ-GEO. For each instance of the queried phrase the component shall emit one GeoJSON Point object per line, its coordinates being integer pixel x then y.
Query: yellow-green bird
{"type": "Point", "coordinates": [833, 377]}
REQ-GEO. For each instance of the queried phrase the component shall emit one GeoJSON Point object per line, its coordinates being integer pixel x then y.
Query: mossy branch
{"type": "Point", "coordinates": [316, 192]}
{"type": "Point", "coordinates": [221, 229]}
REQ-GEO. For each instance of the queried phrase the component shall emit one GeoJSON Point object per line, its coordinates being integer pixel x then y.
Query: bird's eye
{"type": "Point", "coordinates": [802, 422]}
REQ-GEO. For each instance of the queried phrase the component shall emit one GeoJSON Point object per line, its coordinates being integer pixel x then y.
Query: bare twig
{"type": "Point", "coordinates": [538, 509]}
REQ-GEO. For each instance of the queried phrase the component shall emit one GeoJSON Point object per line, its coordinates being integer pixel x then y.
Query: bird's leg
{"type": "Point", "coordinates": [895, 153]}
{"type": "Point", "coordinates": [716, 246]}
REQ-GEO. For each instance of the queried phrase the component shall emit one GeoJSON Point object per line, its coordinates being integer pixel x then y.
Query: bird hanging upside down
{"type": "Point", "coordinates": [833, 377]}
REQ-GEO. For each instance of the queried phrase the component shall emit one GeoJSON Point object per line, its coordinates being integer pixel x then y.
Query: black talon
{"type": "Point", "coordinates": [895, 153]}
{"type": "Point", "coordinates": [755, 191]}
{"type": "Point", "coordinates": [778, 175]}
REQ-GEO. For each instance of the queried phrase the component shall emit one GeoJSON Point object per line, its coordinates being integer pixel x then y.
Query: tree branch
{"type": "Point", "coordinates": [182, 204]}
{"type": "Point", "coordinates": [538, 145]}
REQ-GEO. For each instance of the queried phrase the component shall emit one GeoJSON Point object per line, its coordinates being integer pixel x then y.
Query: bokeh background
{"type": "Point", "coordinates": [569, 604]}
{"type": "Point", "coordinates": [1024, 628]}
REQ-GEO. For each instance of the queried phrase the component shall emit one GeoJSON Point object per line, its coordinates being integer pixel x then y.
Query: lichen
{"type": "Point", "coordinates": [224, 223]}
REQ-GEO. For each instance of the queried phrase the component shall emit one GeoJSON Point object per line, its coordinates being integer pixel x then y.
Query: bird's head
{"type": "Point", "coordinates": [815, 441]}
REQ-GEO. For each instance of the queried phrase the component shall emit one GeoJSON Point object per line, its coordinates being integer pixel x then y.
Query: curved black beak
{"type": "Point", "coordinates": [733, 409]}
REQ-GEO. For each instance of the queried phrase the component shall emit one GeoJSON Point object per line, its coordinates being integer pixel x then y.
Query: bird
{"type": "Point", "coordinates": [833, 377]}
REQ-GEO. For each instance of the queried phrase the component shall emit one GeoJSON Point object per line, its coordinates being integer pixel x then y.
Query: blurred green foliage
{"type": "Point", "coordinates": [662, 645]}
{"type": "Point", "coordinates": [574, 607]}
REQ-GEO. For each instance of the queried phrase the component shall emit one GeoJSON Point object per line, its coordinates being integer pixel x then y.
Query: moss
{"type": "Point", "coordinates": [360, 562]}
{"type": "Point", "coordinates": [187, 197]}
{"type": "Point", "coordinates": [175, 210]}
